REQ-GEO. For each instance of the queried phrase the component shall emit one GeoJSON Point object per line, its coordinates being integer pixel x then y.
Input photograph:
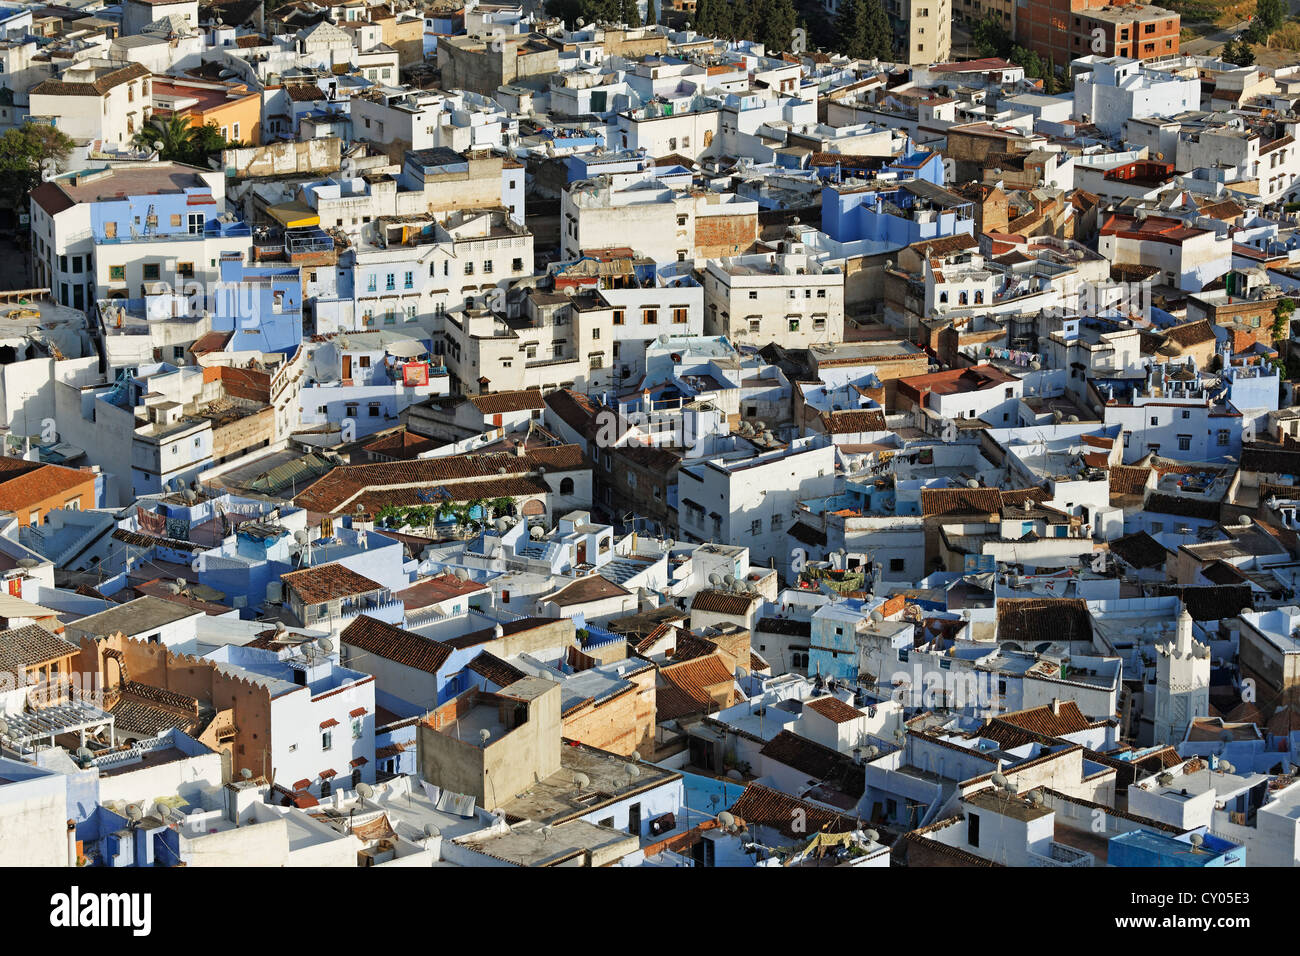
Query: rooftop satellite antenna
{"type": "Point", "coordinates": [483, 736]}
{"type": "Point", "coordinates": [715, 578]}
{"type": "Point", "coordinates": [462, 574]}
{"type": "Point", "coordinates": [246, 774]}
{"type": "Point", "coordinates": [872, 835]}
{"type": "Point", "coordinates": [326, 645]}
{"type": "Point", "coordinates": [27, 562]}
{"type": "Point", "coordinates": [999, 780]}
{"type": "Point", "coordinates": [431, 830]}
{"type": "Point", "coordinates": [134, 813]}
{"type": "Point", "coordinates": [632, 771]}
{"type": "Point", "coordinates": [1225, 767]}
{"type": "Point", "coordinates": [86, 756]}
{"type": "Point", "coordinates": [365, 791]}
{"type": "Point", "coordinates": [1196, 839]}
{"type": "Point", "coordinates": [581, 780]}
{"type": "Point", "coordinates": [726, 820]}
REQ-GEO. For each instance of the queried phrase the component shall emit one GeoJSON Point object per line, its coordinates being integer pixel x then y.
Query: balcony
{"type": "Point", "coordinates": [216, 230]}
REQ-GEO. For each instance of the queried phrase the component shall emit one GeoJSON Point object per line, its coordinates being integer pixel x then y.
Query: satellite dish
{"type": "Point", "coordinates": [632, 770]}
{"type": "Point", "coordinates": [581, 780]}
{"type": "Point", "coordinates": [872, 835]}
{"type": "Point", "coordinates": [735, 775]}
{"type": "Point", "coordinates": [636, 756]}
{"type": "Point", "coordinates": [715, 578]}
{"type": "Point", "coordinates": [1196, 840]}
{"type": "Point", "coordinates": [27, 562]}
{"type": "Point", "coordinates": [302, 537]}
{"type": "Point", "coordinates": [1225, 767]}
{"type": "Point", "coordinates": [483, 736]}
{"type": "Point", "coordinates": [365, 790]}
{"type": "Point", "coordinates": [133, 812]}
{"type": "Point", "coordinates": [180, 583]}
{"type": "Point", "coordinates": [326, 645]}
{"type": "Point", "coordinates": [726, 819]}
{"type": "Point", "coordinates": [973, 483]}
{"type": "Point", "coordinates": [462, 574]}
{"type": "Point", "coordinates": [999, 779]}
{"type": "Point", "coordinates": [431, 830]}
{"type": "Point", "coordinates": [246, 774]}
{"type": "Point", "coordinates": [1165, 779]}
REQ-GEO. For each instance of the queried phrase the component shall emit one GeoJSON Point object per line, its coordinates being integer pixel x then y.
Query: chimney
{"type": "Point", "coordinates": [1056, 706]}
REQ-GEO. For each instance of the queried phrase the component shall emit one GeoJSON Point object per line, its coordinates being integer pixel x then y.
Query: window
{"type": "Point", "coordinates": [409, 280]}
{"type": "Point", "coordinates": [1186, 413]}
{"type": "Point", "coordinates": [619, 316]}
{"type": "Point", "coordinates": [794, 325]}
{"type": "Point", "coordinates": [517, 265]}
{"type": "Point", "coordinates": [650, 316]}
{"type": "Point", "coordinates": [1224, 437]}
{"type": "Point", "coordinates": [505, 597]}
{"type": "Point", "coordinates": [150, 272]}
{"type": "Point", "coordinates": [469, 268]}
{"type": "Point", "coordinates": [356, 728]}
{"type": "Point", "coordinates": [1154, 420]}
{"type": "Point", "coordinates": [371, 284]}
{"type": "Point", "coordinates": [390, 282]}
{"type": "Point", "coordinates": [776, 522]}
{"type": "Point", "coordinates": [821, 293]}
{"type": "Point", "coordinates": [756, 527]}
{"type": "Point", "coordinates": [895, 564]}
{"type": "Point", "coordinates": [487, 267]}
{"type": "Point", "coordinates": [972, 829]}
{"type": "Point", "coordinates": [753, 295]}
{"type": "Point", "coordinates": [1184, 442]}
{"type": "Point", "coordinates": [117, 273]}
{"type": "Point", "coordinates": [679, 316]}
{"type": "Point", "coordinates": [327, 740]}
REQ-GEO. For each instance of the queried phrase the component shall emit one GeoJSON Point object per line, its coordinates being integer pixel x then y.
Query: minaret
{"type": "Point", "coordinates": [1182, 683]}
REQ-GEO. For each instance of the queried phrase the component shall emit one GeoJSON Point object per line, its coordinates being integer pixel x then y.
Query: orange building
{"type": "Point", "coordinates": [234, 110]}
{"type": "Point", "coordinates": [1062, 30]}
{"type": "Point", "coordinates": [32, 490]}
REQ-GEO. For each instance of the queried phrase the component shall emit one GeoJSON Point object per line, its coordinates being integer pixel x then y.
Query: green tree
{"type": "Point", "coordinates": [723, 24]}
{"type": "Point", "coordinates": [1282, 320]}
{"type": "Point", "coordinates": [628, 14]}
{"type": "Point", "coordinates": [777, 26]}
{"type": "Point", "coordinates": [651, 15]}
{"type": "Point", "coordinates": [1269, 15]}
{"type": "Point", "coordinates": [24, 154]}
{"type": "Point", "coordinates": [990, 39]}
{"type": "Point", "coordinates": [172, 136]}
{"type": "Point", "coordinates": [863, 30]}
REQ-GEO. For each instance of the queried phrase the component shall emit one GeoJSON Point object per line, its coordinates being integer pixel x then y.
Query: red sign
{"type": "Point", "coordinates": [415, 373]}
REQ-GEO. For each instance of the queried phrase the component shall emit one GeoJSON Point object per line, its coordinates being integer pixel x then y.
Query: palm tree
{"type": "Point", "coordinates": [172, 136]}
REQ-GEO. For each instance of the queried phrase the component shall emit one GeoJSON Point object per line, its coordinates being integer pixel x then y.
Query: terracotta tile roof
{"type": "Point", "coordinates": [328, 582]}
{"type": "Point", "coordinates": [1140, 550]}
{"type": "Point", "coordinates": [401, 444]}
{"type": "Point", "coordinates": [28, 646]}
{"type": "Point", "coordinates": [97, 87]}
{"type": "Point", "coordinates": [684, 687]}
{"type": "Point", "coordinates": [1128, 479]}
{"type": "Point", "coordinates": [819, 762]}
{"type": "Point", "coordinates": [593, 587]}
{"type": "Point", "coordinates": [435, 590]}
{"type": "Point", "coordinates": [946, 501]}
{"type": "Point", "coordinates": [1030, 621]}
{"type": "Point", "coordinates": [958, 855]}
{"type": "Point", "coordinates": [20, 491]}
{"type": "Point", "coordinates": [1270, 459]}
{"type": "Point", "coordinates": [716, 601]}
{"type": "Point", "coordinates": [1041, 720]}
{"type": "Point", "coordinates": [834, 709]}
{"type": "Point", "coordinates": [1191, 333]}
{"type": "Point", "coordinates": [499, 672]}
{"type": "Point", "coordinates": [763, 806]}
{"type": "Point", "coordinates": [382, 639]}
{"type": "Point", "coordinates": [336, 490]}
{"type": "Point", "coordinates": [848, 422]}
{"type": "Point", "coordinates": [495, 403]}
{"type": "Point", "coordinates": [689, 646]}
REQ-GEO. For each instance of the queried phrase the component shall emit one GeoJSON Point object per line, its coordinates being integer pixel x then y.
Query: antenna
{"type": "Point", "coordinates": [326, 645]}
{"type": "Point", "coordinates": [431, 830]}
{"type": "Point", "coordinates": [581, 780]}
{"type": "Point", "coordinates": [365, 791]}
{"type": "Point", "coordinates": [726, 820]}
{"type": "Point", "coordinates": [1196, 839]}
{"type": "Point", "coordinates": [483, 736]}
{"type": "Point", "coordinates": [246, 774]}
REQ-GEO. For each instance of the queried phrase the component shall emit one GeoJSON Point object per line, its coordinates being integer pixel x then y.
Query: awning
{"type": "Point", "coordinates": [327, 724]}
{"type": "Point", "coordinates": [406, 348]}
{"type": "Point", "coordinates": [294, 215]}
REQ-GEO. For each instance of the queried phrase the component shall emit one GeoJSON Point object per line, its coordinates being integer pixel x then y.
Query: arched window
{"type": "Point", "coordinates": [961, 298]}
{"type": "Point", "coordinates": [566, 486]}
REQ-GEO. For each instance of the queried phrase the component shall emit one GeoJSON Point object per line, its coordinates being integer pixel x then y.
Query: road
{"type": "Point", "coordinates": [1215, 40]}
